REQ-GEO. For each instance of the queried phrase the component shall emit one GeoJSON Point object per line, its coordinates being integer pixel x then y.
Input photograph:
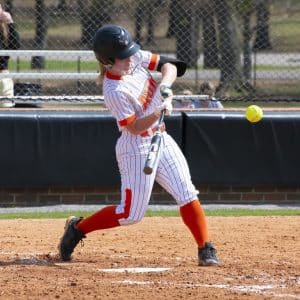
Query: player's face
{"type": "Point", "coordinates": [122, 66]}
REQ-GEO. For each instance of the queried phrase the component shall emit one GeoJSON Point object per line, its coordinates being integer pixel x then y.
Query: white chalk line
{"type": "Point", "coordinates": [134, 270]}
{"type": "Point", "coordinates": [257, 289]}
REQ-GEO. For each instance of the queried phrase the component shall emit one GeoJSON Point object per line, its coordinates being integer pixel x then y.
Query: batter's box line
{"type": "Point", "coordinates": [257, 289]}
{"type": "Point", "coordinates": [30, 258]}
{"type": "Point", "coordinates": [176, 258]}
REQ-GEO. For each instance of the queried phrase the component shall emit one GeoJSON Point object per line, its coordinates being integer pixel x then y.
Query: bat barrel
{"type": "Point", "coordinates": [154, 147]}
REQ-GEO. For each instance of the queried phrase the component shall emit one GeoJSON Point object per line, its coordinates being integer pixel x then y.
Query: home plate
{"type": "Point", "coordinates": [134, 270]}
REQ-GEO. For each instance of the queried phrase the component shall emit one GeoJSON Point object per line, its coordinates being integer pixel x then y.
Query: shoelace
{"type": "Point", "coordinates": [209, 252]}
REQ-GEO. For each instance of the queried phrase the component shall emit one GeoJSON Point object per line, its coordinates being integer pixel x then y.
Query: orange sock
{"type": "Point", "coordinates": [106, 217]}
{"type": "Point", "coordinates": [103, 219]}
{"type": "Point", "coordinates": [194, 218]}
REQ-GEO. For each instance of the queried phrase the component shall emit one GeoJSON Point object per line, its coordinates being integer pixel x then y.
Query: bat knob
{"type": "Point", "coordinates": [148, 170]}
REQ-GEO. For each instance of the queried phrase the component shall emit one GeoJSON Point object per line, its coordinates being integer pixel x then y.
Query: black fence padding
{"type": "Point", "coordinates": [57, 149]}
{"type": "Point", "coordinates": [174, 127]}
{"type": "Point", "coordinates": [224, 148]}
{"type": "Point", "coordinates": [62, 148]}
{"type": "Point", "coordinates": [77, 148]}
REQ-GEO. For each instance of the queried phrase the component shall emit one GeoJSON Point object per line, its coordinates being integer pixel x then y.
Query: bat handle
{"type": "Point", "coordinates": [161, 118]}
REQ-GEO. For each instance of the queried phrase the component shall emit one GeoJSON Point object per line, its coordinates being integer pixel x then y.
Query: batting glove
{"type": "Point", "coordinates": [166, 105]}
{"type": "Point", "coordinates": [165, 91]}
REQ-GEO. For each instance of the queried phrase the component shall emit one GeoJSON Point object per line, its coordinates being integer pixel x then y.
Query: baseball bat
{"type": "Point", "coordinates": [154, 147]}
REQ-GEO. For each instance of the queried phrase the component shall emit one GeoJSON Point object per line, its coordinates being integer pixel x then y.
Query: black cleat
{"type": "Point", "coordinates": [71, 237]}
{"type": "Point", "coordinates": [207, 255]}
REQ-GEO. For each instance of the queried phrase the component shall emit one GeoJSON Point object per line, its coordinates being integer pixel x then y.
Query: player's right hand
{"type": "Point", "coordinates": [166, 105]}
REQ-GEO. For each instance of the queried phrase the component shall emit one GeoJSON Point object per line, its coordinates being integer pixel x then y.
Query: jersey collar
{"type": "Point", "coordinates": [112, 76]}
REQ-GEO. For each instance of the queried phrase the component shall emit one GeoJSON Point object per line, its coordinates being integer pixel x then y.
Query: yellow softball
{"type": "Point", "coordinates": [254, 113]}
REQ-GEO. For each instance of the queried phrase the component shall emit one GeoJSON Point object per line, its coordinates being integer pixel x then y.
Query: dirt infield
{"type": "Point", "coordinates": [260, 260]}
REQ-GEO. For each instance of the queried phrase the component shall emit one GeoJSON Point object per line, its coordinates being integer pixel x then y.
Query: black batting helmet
{"type": "Point", "coordinates": [113, 41]}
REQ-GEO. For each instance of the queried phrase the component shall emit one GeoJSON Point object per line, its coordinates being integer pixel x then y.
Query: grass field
{"type": "Point", "coordinates": [164, 213]}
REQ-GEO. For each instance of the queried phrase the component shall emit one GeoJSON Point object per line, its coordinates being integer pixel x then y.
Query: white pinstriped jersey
{"type": "Point", "coordinates": [132, 97]}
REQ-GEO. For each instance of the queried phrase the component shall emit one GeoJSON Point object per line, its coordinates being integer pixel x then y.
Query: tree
{"type": "Point", "coordinates": [186, 32]}
{"type": "Point", "coordinates": [262, 40]}
{"type": "Point", "coordinates": [38, 62]}
{"type": "Point", "coordinates": [145, 14]}
{"type": "Point", "coordinates": [93, 17]}
{"type": "Point", "coordinates": [210, 45]}
{"type": "Point", "coordinates": [228, 44]}
{"type": "Point", "coordinates": [62, 5]}
{"type": "Point", "coordinates": [245, 10]}
{"type": "Point", "coordinates": [229, 47]}
{"type": "Point", "coordinates": [8, 5]}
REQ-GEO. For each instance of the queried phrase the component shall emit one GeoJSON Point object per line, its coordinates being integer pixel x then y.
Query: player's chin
{"type": "Point", "coordinates": [126, 71]}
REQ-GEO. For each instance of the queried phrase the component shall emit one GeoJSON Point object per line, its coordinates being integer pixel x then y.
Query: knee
{"type": "Point", "coordinates": [130, 220]}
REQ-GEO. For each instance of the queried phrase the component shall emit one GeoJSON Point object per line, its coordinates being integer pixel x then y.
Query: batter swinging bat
{"type": "Point", "coordinates": [154, 147]}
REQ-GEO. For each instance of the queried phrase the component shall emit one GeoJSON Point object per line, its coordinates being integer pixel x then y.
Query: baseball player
{"type": "Point", "coordinates": [136, 101]}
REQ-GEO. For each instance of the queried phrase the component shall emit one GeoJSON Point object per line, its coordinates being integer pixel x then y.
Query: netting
{"type": "Point", "coordinates": [249, 49]}
{"type": "Point", "coordinates": [40, 100]}
{"type": "Point", "coordinates": [180, 102]}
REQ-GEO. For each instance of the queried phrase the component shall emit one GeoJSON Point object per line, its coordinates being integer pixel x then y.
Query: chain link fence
{"type": "Point", "coordinates": [248, 48]}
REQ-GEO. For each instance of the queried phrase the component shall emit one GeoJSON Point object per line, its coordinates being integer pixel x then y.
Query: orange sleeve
{"type": "Point", "coordinates": [153, 62]}
{"type": "Point", "coordinates": [128, 120]}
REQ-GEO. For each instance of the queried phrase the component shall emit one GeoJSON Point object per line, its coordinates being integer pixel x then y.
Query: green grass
{"type": "Point", "coordinates": [285, 32]}
{"type": "Point", "coordinates": [85, 66]}
{"type": "Point", "coordinates": [163, 213]}
{"type": "Point", "coordinates": [55, 65]}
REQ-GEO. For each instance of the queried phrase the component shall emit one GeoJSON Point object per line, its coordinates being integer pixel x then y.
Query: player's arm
{"type": "Point", "coordinates": [170, 69]}
{"type": "Point", "coordinates": [180, 65]}
{"type": "Point", "coordinates": [140, 125]}
{"type": "Point", "coordinates": [169, 74]}
{"type": "Point", "coordinates": [122, 110]}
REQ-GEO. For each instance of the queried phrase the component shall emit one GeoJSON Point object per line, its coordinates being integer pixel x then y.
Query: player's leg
{"type": "Point", "coordinates": [174, 175]}
{"type": "Point", "coordinates": [136, 189]}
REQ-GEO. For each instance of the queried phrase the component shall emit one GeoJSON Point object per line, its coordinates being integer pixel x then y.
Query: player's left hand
{"type": "Point", "coordinates": [165, 91]}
